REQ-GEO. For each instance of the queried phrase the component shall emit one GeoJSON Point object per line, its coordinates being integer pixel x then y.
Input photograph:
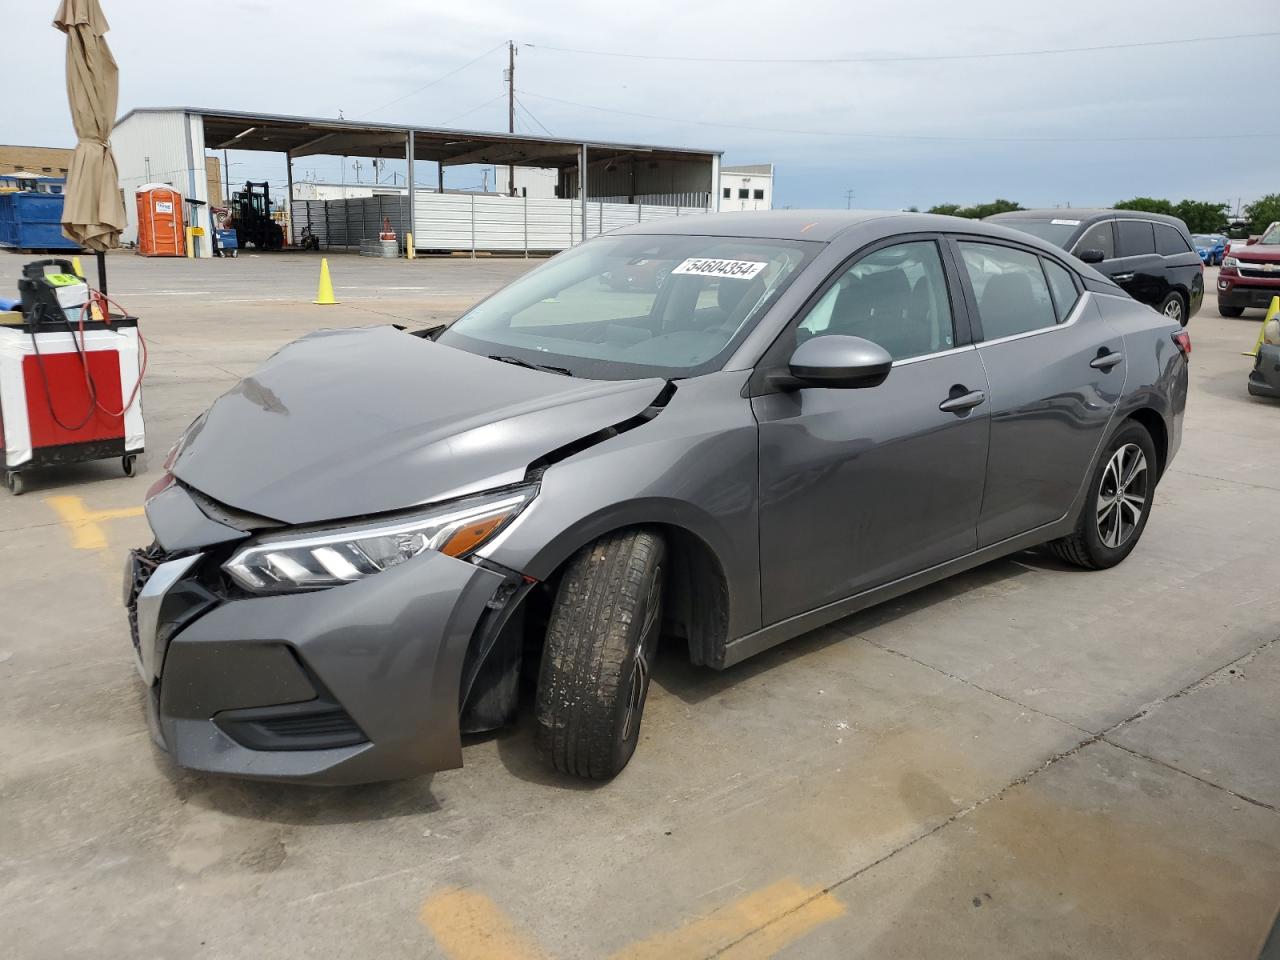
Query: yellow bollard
{"type": "Point", "coordinates": [75, 265]}
{"type": "Point", "coordinates": [1273, 311]}
{"type": "Point", "coordinates": [408, 246]}
{"type": "Point", "coordinates": [191, 247]}
{"type": "Point", "coordinates": [324, 295]}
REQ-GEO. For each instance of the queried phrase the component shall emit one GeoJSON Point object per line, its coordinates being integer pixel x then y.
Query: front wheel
{"type": "Point", "coordinates": [1230, 311]}
{"type": "Point", "coordinates": [600, 645]}
{"type": "Point", "coordinates": [1117, 505]}
{"type": "Point", "coordinates": [1174, 308]}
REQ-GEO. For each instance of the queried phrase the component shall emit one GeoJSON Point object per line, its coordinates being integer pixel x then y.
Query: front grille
{"type": "Point", "coordinates": [1259, 270]}
{"type": "Point", "coordinates": [143, 566]}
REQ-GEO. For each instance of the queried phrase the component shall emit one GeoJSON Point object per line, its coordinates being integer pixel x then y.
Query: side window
{"type": "Point", "coordinates": [895, 296]}
{"type": "Point", "coordinates": [1134, 238]}
{"type": "Point", "coordinates": [1169, 241]}
{"type": "Point", "coordinates": [1098, 237]}
{"type": "Point", "coordinates": [742, 193]}
{"type": "Point", "coordinates": [1012, 294]}
{"type": "Point", "coordinates": [757, 195]}
{"type": "Point", "coordinates": [727, 192]}
{"type": "Point", "coordinates": [1063, 287]}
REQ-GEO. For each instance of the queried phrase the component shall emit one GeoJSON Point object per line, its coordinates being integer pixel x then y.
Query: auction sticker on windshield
{"type": "Point", "coordinates": [731, 269]}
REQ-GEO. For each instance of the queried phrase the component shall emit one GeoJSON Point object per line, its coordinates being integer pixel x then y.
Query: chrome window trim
{"type": "Point", "coordinates": [937, 353]}
{"type": "Point", "coordinates": [1071, 319]}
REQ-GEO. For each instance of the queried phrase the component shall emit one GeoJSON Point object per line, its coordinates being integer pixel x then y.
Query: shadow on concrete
{"type": "Point", "coordinates": [674, 674]}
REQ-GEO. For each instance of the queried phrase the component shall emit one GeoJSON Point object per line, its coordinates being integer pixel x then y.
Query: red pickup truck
{"type": "Point", "coordinates": [1250, 274]}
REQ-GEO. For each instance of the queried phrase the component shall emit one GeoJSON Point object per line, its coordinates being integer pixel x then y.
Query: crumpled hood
{"type": "Point", "coordinates": [345, 423]}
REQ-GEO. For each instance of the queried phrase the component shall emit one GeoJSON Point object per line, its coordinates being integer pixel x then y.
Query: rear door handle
{"type": "Point", "coordinates": [1105, 361]}
{"type": "Point", "coordinates": [963, 402]}
{"type": "Point", "coordinates": [1122, 277]}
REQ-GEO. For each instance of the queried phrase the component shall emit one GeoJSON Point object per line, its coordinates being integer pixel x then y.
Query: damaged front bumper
{"type": "Point", "coordinates": [352, 684]}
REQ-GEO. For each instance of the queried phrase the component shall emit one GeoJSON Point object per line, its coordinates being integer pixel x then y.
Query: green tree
{"type": "Point", "coordinates": [1263, 212]}
{"type": "Point", "coordinates": [1201, 216]}
{"type": "Point", "coordinates": [1147, 205]}
{"type": "Point", "coordinates": [977, 211]}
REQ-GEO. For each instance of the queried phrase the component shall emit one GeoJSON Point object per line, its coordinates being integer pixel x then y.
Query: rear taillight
{"type": "Point", "coordinates": [1183, 341]}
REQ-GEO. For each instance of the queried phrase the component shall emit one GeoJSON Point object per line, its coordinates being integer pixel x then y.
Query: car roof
{"type": "Point", "coordinates": [1085, 215]}
{"type": "Point", "coordinates": [824, 226]}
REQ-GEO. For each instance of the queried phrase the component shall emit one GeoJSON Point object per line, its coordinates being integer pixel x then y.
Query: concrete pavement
{"type": "Point", "coordinates": [1026, 760]}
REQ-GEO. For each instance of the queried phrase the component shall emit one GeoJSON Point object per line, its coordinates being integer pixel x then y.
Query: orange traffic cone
{"type": "Point", "coordinates": [324, 295]}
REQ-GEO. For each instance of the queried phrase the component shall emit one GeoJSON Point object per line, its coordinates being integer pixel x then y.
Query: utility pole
{"type": "Point", "coordinates": [511, 109]}
{"type": "Point", "coordinates": [226, 179]}
{"type": "Point", "coordinates": [848, 199]}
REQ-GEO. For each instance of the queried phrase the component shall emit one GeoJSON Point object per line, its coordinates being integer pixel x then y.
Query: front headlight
{"type": "Point", "coordinates": [1230, 262]}
{"type": "Point", "coordinates": [326, 558]}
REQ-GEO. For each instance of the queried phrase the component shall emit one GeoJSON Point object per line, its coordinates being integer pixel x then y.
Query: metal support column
{"type": "Point", "coordinates": [290, 238]}
{"type": "Point", "coordinates": [714, 205]}
{"type": "Point", "coordinates": [409, 223]}
{"type": "Point", "coordinates": [582, 187]}
{"type": "Point", "coordinates": [440, 176]}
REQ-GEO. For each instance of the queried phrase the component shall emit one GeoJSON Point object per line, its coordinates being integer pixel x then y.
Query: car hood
{"type": "Point", "coordinates": [1258, 252]}
{"type": "Point", "coordinates": [345, 423]}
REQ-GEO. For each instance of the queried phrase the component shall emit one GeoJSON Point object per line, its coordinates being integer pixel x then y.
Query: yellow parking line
{"type": "Point", "coordinates": [469, 926]}
{"type": "Point", "coordinates": [86, 534]}
{"type": "Point", "coordinates": [757, 925]}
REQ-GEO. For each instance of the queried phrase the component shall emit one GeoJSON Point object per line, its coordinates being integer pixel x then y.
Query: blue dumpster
{"type": "Point", "coordinates": [33, 221]}
{"type": "Point", "coordinates": [228, 243]}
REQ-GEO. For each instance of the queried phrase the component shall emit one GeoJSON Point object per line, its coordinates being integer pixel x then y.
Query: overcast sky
{"type": "Point", "coordinates": [317, 57]}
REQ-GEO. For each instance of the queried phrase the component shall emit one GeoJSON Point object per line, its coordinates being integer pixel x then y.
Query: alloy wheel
{"type": "Point", "coordinates": [1122, 495]}
{"type": "Point", "coordinates": [646, 647]}
{"type": "Point", "coordinates": [1173, 309]}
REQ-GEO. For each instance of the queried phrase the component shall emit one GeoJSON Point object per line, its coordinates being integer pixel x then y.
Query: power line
{"type": "Point", "coordinates": [899, 136]}
{"type": "Point", "coordinates": [481, 106]}
{"type": "Point", "coordinates": [529, 114]}
{"type": "Point", "coordinates": [907, 58]}
{"type": "Point", "coordinates": [432, 83]}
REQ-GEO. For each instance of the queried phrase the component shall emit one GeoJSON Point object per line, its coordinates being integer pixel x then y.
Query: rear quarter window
{"type": "Point", "coordinates": [1169, 241]}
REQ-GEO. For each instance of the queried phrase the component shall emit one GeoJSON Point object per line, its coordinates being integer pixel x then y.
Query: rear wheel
{"type": "Point", "coordinates": [1230, 311]}
{"type": "Point", "coordinates": [601, 640]}
{"type": "Point", "coordinates": [13, 480]}
{"type": "Point", "coordinates": [1117, 505]}
{"type": "Point", "coordinates": [1174, 308]}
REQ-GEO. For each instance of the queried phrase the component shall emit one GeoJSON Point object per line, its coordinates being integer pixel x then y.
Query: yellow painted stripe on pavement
{"type": "Point", "coordinates": [786, 930]}
{"type": "Point", "coordinates": [469, 926]}
{"type": "Point", "coordinates": [757, 925]}
{"type": "Point", "coordinates": [84, 524]}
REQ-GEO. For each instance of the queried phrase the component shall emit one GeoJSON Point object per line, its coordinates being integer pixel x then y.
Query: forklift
{"type": "Point", "coordinates": [251, 217]}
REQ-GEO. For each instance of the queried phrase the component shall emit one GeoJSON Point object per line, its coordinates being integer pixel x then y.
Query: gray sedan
{"type": "Point", "coordinates": [363, 547]}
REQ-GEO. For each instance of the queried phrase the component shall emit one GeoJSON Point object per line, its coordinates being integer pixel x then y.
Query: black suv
{"type": "Point", "coordinates": [1148, 254]}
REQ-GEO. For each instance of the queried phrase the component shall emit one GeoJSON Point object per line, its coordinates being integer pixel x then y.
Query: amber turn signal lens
{"type": "Point", "coordinates": [470, 536]}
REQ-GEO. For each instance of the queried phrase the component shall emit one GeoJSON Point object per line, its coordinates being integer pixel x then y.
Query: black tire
{"type": "Point", "coordinates": [1230, 311]}
{"type": "Point", "coordinates": [127, 464]}
{"type": "Point", "coordinates": [1096, 543]}
{"type": "Point", "coordinates": [13, 480]}
{"type": "Point", "coordinates": [601, 640]}
{"type": "Point", "coordinates": [1175, 308]}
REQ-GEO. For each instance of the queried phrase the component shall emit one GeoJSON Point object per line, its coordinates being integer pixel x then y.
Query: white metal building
{"type": "Point", "coordinates": [746, 187]}
{"type": "Point", "coordinates": [625, 183]}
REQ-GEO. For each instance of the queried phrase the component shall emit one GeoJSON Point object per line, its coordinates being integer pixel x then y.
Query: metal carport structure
{"type": "Point", "coordinates": [614, 170]}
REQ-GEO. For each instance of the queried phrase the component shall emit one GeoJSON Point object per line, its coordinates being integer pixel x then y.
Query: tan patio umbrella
{"type": "Point", "coordinates": [92, 212]}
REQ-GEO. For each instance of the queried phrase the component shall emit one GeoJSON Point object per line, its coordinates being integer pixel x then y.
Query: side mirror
{"type": "Point", "coordinates": [1251, 241]}
{"type": "Point", "coordinates": [839, 362]}
{"type": "Point", "coordinates": [1091, 256]}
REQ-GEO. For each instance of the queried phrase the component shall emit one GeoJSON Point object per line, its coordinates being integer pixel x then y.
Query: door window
{"type": "Point", "coordinates": [1135, 238]}
{"type": "Point", "coordinates": [1063, 287]}
{"type": "Point", "coordinates": [895, 297]}
{"type": "Point", "coordinates": [1169, 241]}
{"type": "Point", "coordinates": [1012, 294]}
{"type": "Point", "coordinates": [1098, 237]}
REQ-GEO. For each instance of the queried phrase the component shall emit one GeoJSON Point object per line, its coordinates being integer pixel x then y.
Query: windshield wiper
{"type": "Point", "coordinates": [519, 362]}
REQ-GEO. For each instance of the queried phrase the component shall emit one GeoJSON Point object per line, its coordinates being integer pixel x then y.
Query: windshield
{"type": "Point", "coordinates": [626, 307]}
{"type": "Point", "coordinates": [1272, 235]}
{"type": "Point", "coordinates": [1057, 231]}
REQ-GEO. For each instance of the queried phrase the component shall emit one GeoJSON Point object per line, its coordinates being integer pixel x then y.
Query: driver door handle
{"type": "Point", "coordinates": [1106, 361]}
{"type": "Point", "coordinates": [963, 402]}
{"type": "Point", "coordinates": [1122, 277]}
